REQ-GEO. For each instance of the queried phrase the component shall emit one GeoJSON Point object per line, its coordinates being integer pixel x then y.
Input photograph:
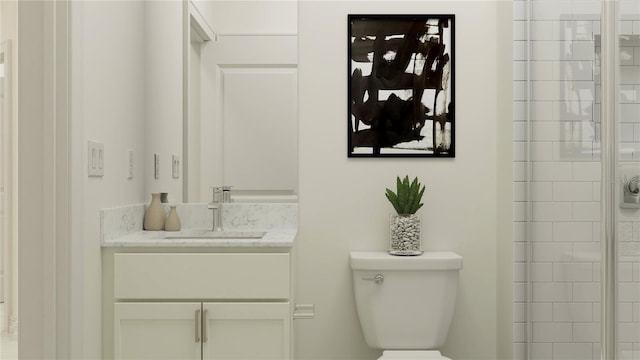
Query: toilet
{"type": "Point", "coordinates": [406, 303]}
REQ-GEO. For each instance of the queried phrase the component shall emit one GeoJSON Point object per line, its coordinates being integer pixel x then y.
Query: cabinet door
{"type": "Point", "coordinates": [246, 331]}
{"type": "Point", "coordinates": [158, 331]}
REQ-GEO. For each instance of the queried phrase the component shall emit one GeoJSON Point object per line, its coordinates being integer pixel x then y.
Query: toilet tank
{"type": "Point", "coordinates": [413, 305]}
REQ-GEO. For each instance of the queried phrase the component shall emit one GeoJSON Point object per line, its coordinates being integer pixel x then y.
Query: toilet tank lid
{"type": "Point", "coordinates": [381, 260]}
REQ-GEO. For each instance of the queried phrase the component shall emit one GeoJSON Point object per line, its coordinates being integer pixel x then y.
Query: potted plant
{"type": "Point", "coordinates": [404, 229]}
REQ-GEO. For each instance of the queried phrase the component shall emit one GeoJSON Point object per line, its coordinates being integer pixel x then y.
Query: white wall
{"type": "Point", "coordinates": [342, 203]}
{"type": "Point", "coordinates": [163, 95]}
{"type": "Point", "coordinates": [505, 179]}
{"type": "Point", "coordinates": [108, 105]}
{"type": "Point", "coordinates": [230, 17]}
{"type": "Point", "coordinates": [127, 94]}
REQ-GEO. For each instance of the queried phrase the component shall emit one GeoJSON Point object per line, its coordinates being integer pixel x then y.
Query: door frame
{"type": "Point", "coordinates": [44, 191]}
{"type": "Point", "coordinates": [6, 248]}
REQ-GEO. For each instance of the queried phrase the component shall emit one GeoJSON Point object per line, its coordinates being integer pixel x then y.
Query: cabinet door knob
{"type": "Point", "coordinates": [197, 322]}
{"type": "Point", "coordinates": [204, 326]}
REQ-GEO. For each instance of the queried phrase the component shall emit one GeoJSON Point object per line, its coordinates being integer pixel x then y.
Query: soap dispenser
{"type": "Point", "coordinates": [173, 220]}
{"type": "Point", "coordinates": [154, 216]}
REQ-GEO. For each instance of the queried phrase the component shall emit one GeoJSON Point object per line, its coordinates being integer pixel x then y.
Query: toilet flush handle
{"type": "Point", "coordinates": [378, 279]}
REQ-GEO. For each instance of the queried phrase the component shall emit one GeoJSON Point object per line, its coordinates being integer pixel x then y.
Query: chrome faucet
{"type": "Point", "coordinates": [221, 195]}
{"type": "Point", "coordinates": [216, 206]}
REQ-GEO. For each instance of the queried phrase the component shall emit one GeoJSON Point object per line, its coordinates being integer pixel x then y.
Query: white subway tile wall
{"type": "Point", "coordinates": [565, 181]}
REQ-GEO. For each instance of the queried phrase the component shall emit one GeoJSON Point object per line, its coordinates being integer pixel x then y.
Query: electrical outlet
{"type": "Point", "coordinates": [304, 311]}
{"type": "Point", "coordinates": [156, 166]}
{"type": "Point", "coordinates": [175, 166]}
{"type": "Point", "coordinates": [130, 162]}
{"type": "Point", "coordinates": [95, 159]}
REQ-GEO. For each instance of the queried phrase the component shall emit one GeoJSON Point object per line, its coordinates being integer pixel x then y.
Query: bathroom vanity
{"type": "Point", "coordinates": [183, 295]}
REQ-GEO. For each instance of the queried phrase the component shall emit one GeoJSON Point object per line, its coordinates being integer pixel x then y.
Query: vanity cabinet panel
{"type": "Point", "coordinates": [201, 276]}
{"type": "Point", "coordinates": [246, 331]}
{"type": "Point", "coordinates": [186, 305]}
{"type": "Point", "coordinates": [157, 331]}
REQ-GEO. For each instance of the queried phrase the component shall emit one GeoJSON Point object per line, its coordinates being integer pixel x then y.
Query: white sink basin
{"type": "Point", "coordinates": [208, 234]}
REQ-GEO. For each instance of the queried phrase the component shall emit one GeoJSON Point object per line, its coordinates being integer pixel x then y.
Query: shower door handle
{"type": "Point", "coordinates": [633, 185]}
{"type": "Point", "coordinates": [630, 192]}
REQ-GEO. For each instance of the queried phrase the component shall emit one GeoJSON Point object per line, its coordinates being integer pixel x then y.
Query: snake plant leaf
{"type": "Point", "coordinates": [393, 199]}
{"type": "Point", "coordinates": [417, 204]}
{"type": "Point", "coordinates": [414, 186]}
{"type": "Point", "coordinates": [406, 199]}
{"type": "Point", "coordinates": [402, 196]}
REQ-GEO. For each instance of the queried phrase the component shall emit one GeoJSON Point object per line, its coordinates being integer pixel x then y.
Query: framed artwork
{"type": "Point", "coordinates": [401, 86]}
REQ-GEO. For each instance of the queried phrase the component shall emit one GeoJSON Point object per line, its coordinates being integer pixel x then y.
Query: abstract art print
{"type": "Point", "coordinates": [401, 86]}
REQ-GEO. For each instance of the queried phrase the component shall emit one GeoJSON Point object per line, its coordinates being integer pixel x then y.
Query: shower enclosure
{"type": "Point", "coordinates": [576, 152]}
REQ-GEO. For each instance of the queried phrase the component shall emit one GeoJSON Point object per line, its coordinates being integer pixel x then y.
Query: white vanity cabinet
{"type": "Point", "coordinates": [198, 305]}
{"type": "Point", "coordinates": [228, 330]}
{"type": "Point", "coordinates": [157, 331]}
{"type": "Point", "coordinates": [249, 331]}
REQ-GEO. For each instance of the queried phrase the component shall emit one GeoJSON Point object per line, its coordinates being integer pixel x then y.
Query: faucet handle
{"type": "Point", "coordinates": [217, 194]}
{"type": "Point", "coordinates": [226, 194]}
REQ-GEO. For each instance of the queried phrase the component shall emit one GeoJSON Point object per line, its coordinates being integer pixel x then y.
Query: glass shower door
{"type": "Point", "coordinates": [557, 180]}
{"type": "Point", "coordinates": [577, 179]}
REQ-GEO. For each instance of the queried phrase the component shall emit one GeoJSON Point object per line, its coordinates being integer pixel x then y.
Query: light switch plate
{"type": "Point", "coordinates": [175, 166]}
{"type": "Point", "coordinates": [95, 159]}
{"type": "Point", "coordinates": [156, 166]}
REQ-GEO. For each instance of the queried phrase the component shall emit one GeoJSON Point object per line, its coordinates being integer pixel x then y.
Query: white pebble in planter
{"type": "Point", "coordinates": [405, 235]}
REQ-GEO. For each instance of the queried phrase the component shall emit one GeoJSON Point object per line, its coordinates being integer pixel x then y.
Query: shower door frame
{"type": "Point", "coordinates": [610, 83]}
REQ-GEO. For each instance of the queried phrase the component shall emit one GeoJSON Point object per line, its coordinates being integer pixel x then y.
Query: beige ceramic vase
{"type": "Point", "coordinates": [173, 220]}
{"type": "Point", "coordinates": [154, 216]}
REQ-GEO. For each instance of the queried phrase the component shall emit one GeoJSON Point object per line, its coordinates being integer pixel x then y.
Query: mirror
{"type": "Point", "coordinates": [240, 121]}
{"type": "Point", "coordinates": [190, 94]}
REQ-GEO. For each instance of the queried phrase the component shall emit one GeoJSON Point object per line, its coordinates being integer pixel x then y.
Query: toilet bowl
{"type": "Point", "coordinates": [405, 304]}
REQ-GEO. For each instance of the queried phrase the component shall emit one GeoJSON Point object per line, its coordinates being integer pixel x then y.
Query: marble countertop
{"type": "Point", "coordinates": [277, 238]}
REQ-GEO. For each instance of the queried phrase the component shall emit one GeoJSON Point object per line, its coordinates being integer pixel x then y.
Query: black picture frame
{"type": "Point", "coordinates": [391, 58]}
